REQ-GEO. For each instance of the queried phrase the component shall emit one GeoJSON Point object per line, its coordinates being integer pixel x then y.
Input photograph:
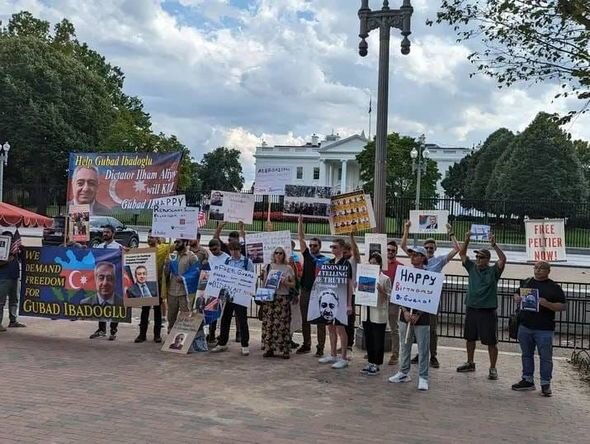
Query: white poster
{"type": "Point", "coordinates": [429, 221]}
{"type": "Point", "coordinates": [238, 284]}
{"type": "Point", "coordinates": [140, 286]}
{"type": "Point", "coordinates": [367, 277]}
{"type": "Point", "coordinates": [231, 207]}
{"type": "Point", "coordinates": [480, 232]}
{"type": "Point", "coordinates": [175, 222]}
{"type": "Point", "coordinates": [545, 240]}
{"type": "Point", "coordinates": [5, 242]}
{"type": "Point", "coordinates": [168, 201]}
{"type": "Point", "coordinates": [182, 335]}
{"type": "Point", "coordinates": [261, 246]}
{"type": "Point", "coordinates": [376, 243]}
{"type": "Point", "coordinates": [272, 180]}
{"type": "Point", "coordinates": [418, 289]}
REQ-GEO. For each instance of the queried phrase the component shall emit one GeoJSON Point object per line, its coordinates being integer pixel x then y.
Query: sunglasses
{"type": "Point", "coordinates": [391, 250]}
{"type": "Point", "coordinates": [429, 248]}
{"type": "Point", "coordinates": [333, 246]}
{"type": "Point", "coordinates": [279, 252]}
{"type": "Point", "coordinates": [480, 256]}
{"type": "Point", "coordinates": [314, 246]}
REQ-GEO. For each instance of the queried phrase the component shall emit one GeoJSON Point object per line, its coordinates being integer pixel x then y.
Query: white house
{"type": "Point", "coordinates": [332, 162]}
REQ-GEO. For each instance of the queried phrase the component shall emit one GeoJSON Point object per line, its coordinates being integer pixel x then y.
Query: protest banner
{"type": "Point", "coordinates": [182, 335]}
{"type": "Point", "coordinates": [79, 223]}
{"type": "Point", "coordinates": [267, 292]}
{"type": "Point", "coordinates": [272, 180]}
{"type": "Point", "coordinates": [168, 201]}
{"type": "Point", "coordinates": [545, 240]}
{"type": "Point", "coordinates": [310, 201]}
{"type": "Point", "coordinates": [367, 277]}
{"type": "Point", "coordinates": [73, 283]}
{"type": "Point", "coordinates": [238, 285]}
{"type": "Point", "coordinates": [349, 212]}
{"type": "Point", "coordinates": [417, 289]}
{"type": "Point", "coordinates": [480, 232]}
{"type": "Point", "coordinates": [328, 299]}
{"type": "Point", "coordinates": [114, 182]}
{"type": "Point", "coordinates": [260, 246]}
{"type": "Point", "coordinates": [175, 222]}
{"type": "Point", "coordinates": [5, 242]}
{"type": "Point", "coordinates": [140, 286]}
{"type": "Point", "coordinates": [376, 243]}
{"type": "Point", "coordinates": [429, 221]}
{"type": "Point", "coordinates": [231, 207]}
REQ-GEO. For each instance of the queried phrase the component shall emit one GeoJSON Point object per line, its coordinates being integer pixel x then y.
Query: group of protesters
{"type": "Point", "coordinates": [298, 273]}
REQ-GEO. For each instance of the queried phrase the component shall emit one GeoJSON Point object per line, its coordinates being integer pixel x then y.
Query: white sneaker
{"type": "Point", "coordinates": [400, 377]}
{"type": "Point", "coordinates": [328, 359]}
{"type": "Point", "coordinates": [340, 363]}
{"type": "Point", "coordinates": [245, 351]}
{"type": "Point", "coordinates": [422, 384]}
{"type": "Point", "coordinates": [219, 348]}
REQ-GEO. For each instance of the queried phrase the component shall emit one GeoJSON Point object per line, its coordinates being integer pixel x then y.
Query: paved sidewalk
{"type": "Point", "coordinates": [57, 386]}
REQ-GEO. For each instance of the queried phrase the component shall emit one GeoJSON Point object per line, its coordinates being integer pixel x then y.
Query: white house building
{"type": "Point", "coordinates": [332, 162]}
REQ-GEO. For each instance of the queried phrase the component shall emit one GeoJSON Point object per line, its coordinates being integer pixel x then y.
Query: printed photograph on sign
{"type": "Point", "coordinates": [5, 242]}
{"type": "Point", "coordinates": [268, 241]}
{"type": "Point", "coordinates": [115, 182]}
{"type": "Point", "coordinates": [367, 276]}
{"type": "Point", "coordinates": [79, 223]}
{"type": "Point", "coordinates": [216, 206]}
{"type": "Point", "coordinates": [428, 221]}
{"type": "Point", "coordinates": [140, 282]}
{"type": "Point", "coordinates": [529, 299]}
{"type": "Point", "coordinates": [376, 243]}
{"type": "Point", "coordinates": [545, 240]}
{"type": "Point", "coordinates": [480, 232]}
{"type": "Point", "coordinates": [182, 335]}
{"type": "Point", "coordinates": [350, 212]}
{"type": "Point", "coordinates": [231, 207]}
{"type": "Point", "coordinates": [310, 201]}
{"type": "Point", "coordinates": [329, 296]}
{"type": "Point", "coordinates": [255, 252]}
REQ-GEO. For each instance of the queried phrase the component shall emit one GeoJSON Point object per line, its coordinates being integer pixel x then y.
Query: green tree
{"type": "Point", "coordinates": [540, 165]}
{"type": "Point", "coordinates": [221, 169]}
{"type": "Point", "coordinates": [455, 180]}
{"type": "Point", "coordinates": [527, 40]}
{"type": "Point", "coordinates": [401, 180]}
{"type": "Point", "coordinates": [583, 151]}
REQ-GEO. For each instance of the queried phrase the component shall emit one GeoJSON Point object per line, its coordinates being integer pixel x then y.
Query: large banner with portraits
{"type": "Point", "coordinates": [310, 201]}
{"type": "Point", "coordinates": [115, 182]}
{"type": "Point", "coordinates": [351, 212]}
{"type": "Point", "coordinates": [328, 299]}
{"type": "Point", "coordinates": [140, 283]}
{"type": "Point", "coordinates": [73, 283]}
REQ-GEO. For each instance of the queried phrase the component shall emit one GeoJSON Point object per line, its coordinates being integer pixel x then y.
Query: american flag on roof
{"type": "Point", "coordinates": [202, 219]}
{"type": "Point", "coordinates": [17, 243]}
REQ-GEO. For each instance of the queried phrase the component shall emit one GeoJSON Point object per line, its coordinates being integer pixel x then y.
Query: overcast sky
{"type": "Point", "coordinates": [235, 72]}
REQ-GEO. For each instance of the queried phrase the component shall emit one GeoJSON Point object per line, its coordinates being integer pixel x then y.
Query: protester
{"type": "Point", "coordinates": [276, 322]}
{"type": "Point", "coordinates": [392, 264]}
{"type": "Point", "coordinates": [296, 263]}
{"type": "Point", "coordinates": [336, 329]}
{"type": "Point", "coordinates": [312, 260]}
{"type": "Point", "coordinates": [436, 264]}
{"type": "Point", "coordinates": [374, 321]}
{"type": "Point", "coordinates": [216, 257]}
{"type": "Point", "coordinates": [419, 324]}
{"type": "Point", "coordinates": [108, 242]}
{"type": "Point", "coordinates": [536, 328]}
{"type": "Point", "coordinates": [9, 275]}
{"type": "Point", "coordinates": [353, 256]}
{"type": "Point", "coordinates": [153, 242]}
{"type": "Point", "coordinates": [232, 236]}
{"type": "Point", "coordinates": [176, 265]}
{"type": "Point", "coordinates": [481, 322]}
{"type": "Point", "coordinates": [201, 252]}
{"type": "Point", "coordinates": [236, 260]}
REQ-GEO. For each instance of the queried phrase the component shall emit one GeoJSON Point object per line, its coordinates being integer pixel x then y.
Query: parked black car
{"type": "Point", "coordinates": [127, 237]}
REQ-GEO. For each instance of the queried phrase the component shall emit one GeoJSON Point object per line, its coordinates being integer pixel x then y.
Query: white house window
{"type": "Point", "coordinates": [316, 173]}
{"type": "Point", "coordinates": [299, 172]}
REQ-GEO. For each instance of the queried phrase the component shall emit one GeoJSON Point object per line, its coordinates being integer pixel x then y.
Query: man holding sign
{"type": "Point", "coordinates": [481, 322]}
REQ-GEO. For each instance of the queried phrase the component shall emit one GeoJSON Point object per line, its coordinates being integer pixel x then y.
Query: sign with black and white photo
{"type": "Point", "coordinates": [329, 296]}
{"type": "Point", "coordinates": [310, 201]}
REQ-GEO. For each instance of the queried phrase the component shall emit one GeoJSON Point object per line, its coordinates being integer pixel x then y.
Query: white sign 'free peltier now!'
{"type": "Point", "coordinates": [545, 240]}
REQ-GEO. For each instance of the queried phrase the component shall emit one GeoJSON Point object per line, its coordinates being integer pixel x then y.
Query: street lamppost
{"type": "Point", "coordinates": [420, 158]}
{"type": "Point", "coordinates": [3, 161]}
{"type": "Point", "coordinates": [384, 19]}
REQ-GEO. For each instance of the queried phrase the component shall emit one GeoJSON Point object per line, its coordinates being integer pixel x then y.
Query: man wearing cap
{"type": "Point", "coordinates": [436, 264]}
{"type": "Point", "coordinates": [481, 322]}
{"type": "Point", "coordinates": [419, 323]}
{"type": "Point", "coordinates": [536, 328]}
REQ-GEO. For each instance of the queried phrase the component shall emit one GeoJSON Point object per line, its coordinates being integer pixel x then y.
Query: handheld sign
{"type": "Point", "coordinates": [545, 240]}
{"type": "Point", "coordinates": [367, 277]}
{"type": "Point", "coordinates": [376, 243]}
{"type": "Point", "coordinates": [239, 284]}
{"type": "Point", "coordinates": [480, 232]}
{"type": "Point", "coordinates": [272, 180]}
{"type": "Point", "coordinates": [417, 289]}
{"type": "Point", "coordinates": [429, 221]}
{"type": "Point", "coordinates": [168, 201]}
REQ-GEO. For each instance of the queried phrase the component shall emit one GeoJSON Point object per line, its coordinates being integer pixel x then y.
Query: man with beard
{"type": "Point", "coordinates": [176, 265]}
{"type": "Point", "coordinates": [109, 242]}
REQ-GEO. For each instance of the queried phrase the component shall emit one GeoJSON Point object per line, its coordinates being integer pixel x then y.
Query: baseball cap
{"type": "Point", "coordinates": [418, 250]}
{"type": "Point", "coordinates": [484, 252]}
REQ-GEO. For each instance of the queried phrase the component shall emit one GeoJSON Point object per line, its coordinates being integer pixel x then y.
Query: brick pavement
{"type": "Point", "coordinates": [57, 386]}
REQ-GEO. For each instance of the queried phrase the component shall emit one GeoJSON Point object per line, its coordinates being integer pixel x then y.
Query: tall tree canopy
{"type": "Point", "coordinates": [527, 40]}
{"type": "Point", "coordinates": [59, 96]}
{"type": "Point", "coordinates": [221, 169]}
{"type": "Point", "coordinates": [401, 180]}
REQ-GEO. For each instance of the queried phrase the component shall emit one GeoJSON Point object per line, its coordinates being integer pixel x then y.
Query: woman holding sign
{"type": "Point", "coordinates": [276, 322]}
{"type": "Point", "coordinates": [375, 320]}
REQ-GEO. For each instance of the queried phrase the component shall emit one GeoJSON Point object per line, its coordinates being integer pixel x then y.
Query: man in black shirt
{"type": "Point", "coordinates": [312, 260]}
{"type": "Point", "coordinates": [536, 327]}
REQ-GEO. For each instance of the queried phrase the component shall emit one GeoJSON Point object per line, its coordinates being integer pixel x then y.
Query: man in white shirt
{"type": "Point", "coordinates": [108, 237]}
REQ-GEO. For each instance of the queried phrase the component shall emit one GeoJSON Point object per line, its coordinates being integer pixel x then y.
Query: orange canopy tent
{"type": "Point", "coordinates": [11, 216]}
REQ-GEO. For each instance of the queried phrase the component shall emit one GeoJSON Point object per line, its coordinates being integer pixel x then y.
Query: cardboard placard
{"type": "Point", "coordinates": [260, 246]}
{"type": "Point", "coordinates": [272, 180]}
{"type": "Point", "coordinates": [140, 283]}
{"type": "Point", "coordinates": [231, 207]}
{"type": "Point", "coordinates": [545, 240]}
{"type": "Point", "coordinates": [429, 221]}
{"type": "Point", "coordinates": [417, 288]}
{"type": "Point", "coordinates": [175, 222]}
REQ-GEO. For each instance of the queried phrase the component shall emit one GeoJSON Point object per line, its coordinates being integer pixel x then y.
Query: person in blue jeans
{"type": "Point", "coordinates": [536, 327]}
